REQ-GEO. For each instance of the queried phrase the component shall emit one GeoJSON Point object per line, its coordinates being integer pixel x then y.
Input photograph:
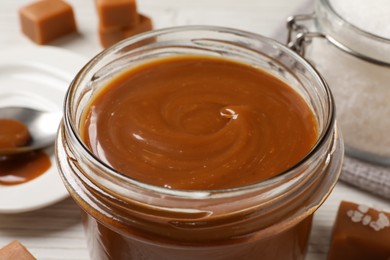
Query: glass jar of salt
{"type": "Point", "coordinates": [349, 43]}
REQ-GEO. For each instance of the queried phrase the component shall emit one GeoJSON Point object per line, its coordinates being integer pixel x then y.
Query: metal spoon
{"type": "Point", "coordinates": [42, 126]}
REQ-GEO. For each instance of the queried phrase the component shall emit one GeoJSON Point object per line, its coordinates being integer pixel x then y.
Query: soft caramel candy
{"type": "Point", "coordinates": [110, 37]}
{"type": "Point", "coordinates": [117, 13]}
{"type": "Point", "coordinates": [360, 232]}
{"type": "Point", "coordinates": [46, 20]}
{"type": "Point", "coordinates": [15, 251]}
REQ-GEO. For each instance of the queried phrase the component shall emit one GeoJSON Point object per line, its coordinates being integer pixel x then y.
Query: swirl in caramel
{"type": "Point", "coordinates": [198, 123]}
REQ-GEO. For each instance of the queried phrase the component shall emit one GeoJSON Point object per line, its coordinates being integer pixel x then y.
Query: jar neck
{"type": "Point", "coordinates": [289, 198]}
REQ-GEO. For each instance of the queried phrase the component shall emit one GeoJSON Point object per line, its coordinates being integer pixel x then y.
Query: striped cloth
{"type": "Point", "coordinates": [367, 176]}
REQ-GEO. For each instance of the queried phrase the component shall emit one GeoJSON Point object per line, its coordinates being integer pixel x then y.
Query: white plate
{"type": "Point", "coordinates": [36, 77]}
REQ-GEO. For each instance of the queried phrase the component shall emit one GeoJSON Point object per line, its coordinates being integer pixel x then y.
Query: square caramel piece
{"type": "Point", "coordinates": [117, 13]}
{"type": "Point", "coordinates": [109, 37]}
{"type": "Point", "coordinates": [145, 24]}
{"type": "Point", "coordinates": [360, 232]}
{"type": "Point", "coordinates": [15, 251]}
{"type": "Point", "coordinates": [46, 20]}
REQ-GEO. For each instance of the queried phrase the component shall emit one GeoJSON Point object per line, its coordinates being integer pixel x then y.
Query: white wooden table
{"type": "Point", "coordinates": [56, 232]}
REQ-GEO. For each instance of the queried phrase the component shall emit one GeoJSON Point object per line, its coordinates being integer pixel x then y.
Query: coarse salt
{"type": "Point", "coordinates": [361, 215]}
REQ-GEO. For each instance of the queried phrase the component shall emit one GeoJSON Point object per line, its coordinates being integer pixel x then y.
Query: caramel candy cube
{"type": "Point", "coordinates": [47, 20]}
{"type": "Point", "coordinates": [110, 37]}
{"type": "Point", "coordinates": [15, 250]}
{"type": "Point", "coordinates": [117, 13]}
{"type": "Point", "coordinates": [360, 232]}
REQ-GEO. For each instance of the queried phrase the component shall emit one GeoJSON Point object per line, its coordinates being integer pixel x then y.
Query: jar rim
{"type": "Point", "coordinates": [325, 133]}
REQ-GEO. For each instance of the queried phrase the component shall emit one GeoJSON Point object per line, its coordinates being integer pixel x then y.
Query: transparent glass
{"type": "Point", "coordinates": [341, 32]}
{"type": "Point", "coordinates": [356, 64]}
{"type": "Point", "coordinates": [128, 219]}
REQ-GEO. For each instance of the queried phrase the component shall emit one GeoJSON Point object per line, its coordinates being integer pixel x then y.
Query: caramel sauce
{"type": "Point", "coordinates": [199, 123]}
{"type": "Point", "coordinates": [290, 244]}
{"type": "Point", "coordinates": [13, 133]}
{"type": "Point", "coordinates": [20, 168]}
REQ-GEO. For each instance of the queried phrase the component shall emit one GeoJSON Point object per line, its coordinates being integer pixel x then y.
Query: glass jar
{"type": "Point", "coordinates": [356, 64]}
{"type": "Point", "coordinates": [128, 219]}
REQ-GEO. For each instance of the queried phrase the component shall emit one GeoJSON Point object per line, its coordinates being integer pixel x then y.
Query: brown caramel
{"type": "Point", "coordinates": [109, 37]}
{"type": "Point", "coordinates": [287, 245]}
{"type": "Point", "coordinates": [15, 251]}
{"type": "Point", "coordinates": [46, 20]}
{"type": "Point", "coordinates": [21, 168]}
{"type": "Point", "coordinates": [13, 134]}
{"type": "Point", "coordinates": [117, 13]}
{"type": "Point", "coordinates": [360, 232]}
{"type": "Point", "coordinates": [198, 123]}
